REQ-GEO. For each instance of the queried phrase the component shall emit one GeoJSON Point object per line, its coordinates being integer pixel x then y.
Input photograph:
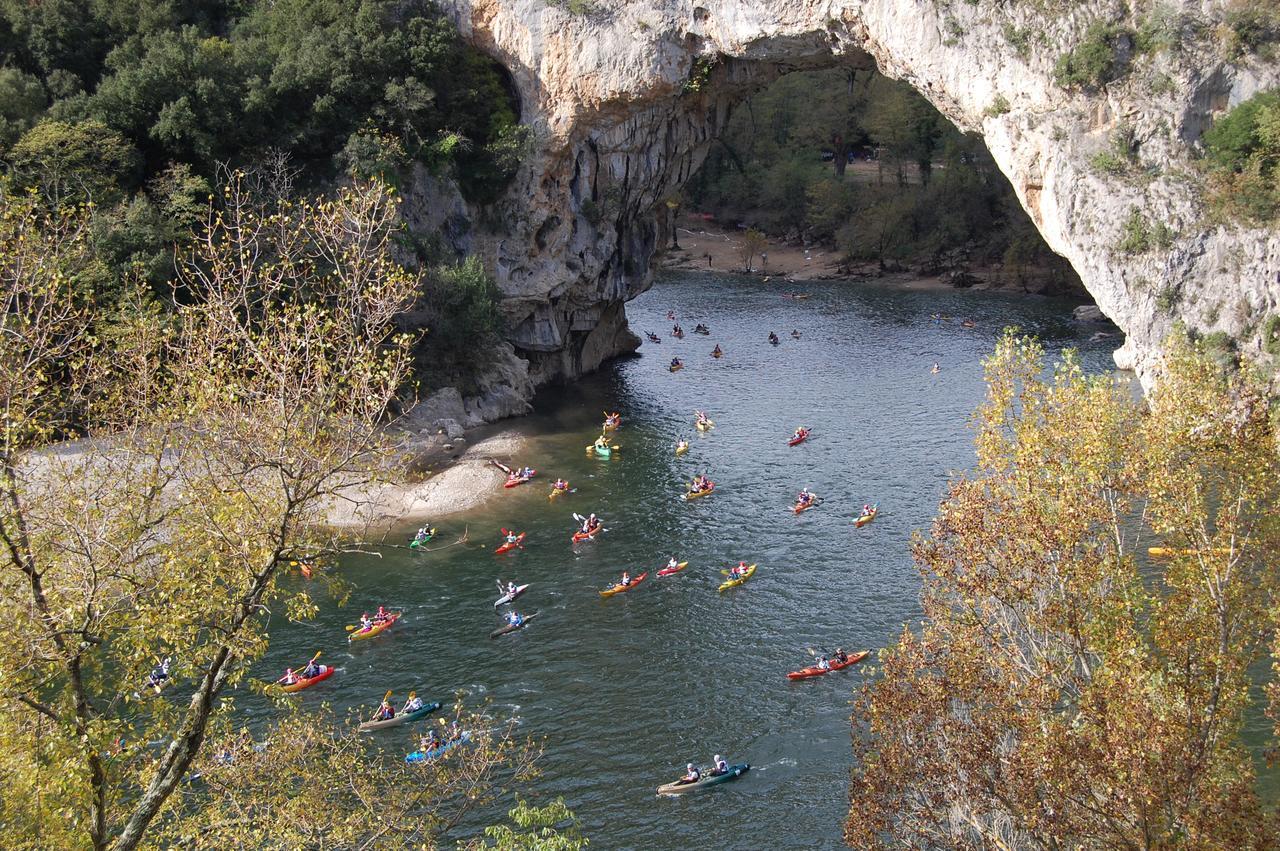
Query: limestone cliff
{"type": "Point", "coordinates": [624, 98]}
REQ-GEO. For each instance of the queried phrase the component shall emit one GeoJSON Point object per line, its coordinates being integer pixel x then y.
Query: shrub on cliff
{"type": "Point", "coordinates": [1242, 157]}
{"type": "Point", "coordinates": [1097, 60]}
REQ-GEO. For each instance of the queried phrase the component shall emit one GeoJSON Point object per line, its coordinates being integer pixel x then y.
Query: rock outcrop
{"type": "Point", "coordinates": [625, 98]}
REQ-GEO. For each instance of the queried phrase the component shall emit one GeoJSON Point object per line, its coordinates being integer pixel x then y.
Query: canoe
{"type": "Point", "coordinates": [699, 494]}
{"type": "Point", "coordinates": [437, 752]}
{"type": "Point", "coordinates": [508, 546]}
{"type": "Point", "coordinates": [815, 671]}
{"type": "Point", "coordinates": [867, 518]}
{"type": "Point", "coordinates": [672, 571]}
{"type": "Point", "coordinates": [805, 506]}
{"type": "Point", "coordinates": [734, 583]}
{"type": "Point", "coordinates": [1170, 552]}
{"type": "Point", "coordinates": [801, 439]}
{"type": "Point", "coordinates": [506, 628]}
{"type": "Point", "coordinates": [402, 718]}
{"type": "Point", "coordinates": [512, 482]}
{"type": "Point", "coordinates": [326, 671]}
{"type": "Point", "coordinates": [679, 788]}
{"type": "Point", "coordinates": [620, 588]}
{"type": "Point", "coordinates": [362, 634]}
{"type": "Point", "coordinates": [579, 537]}
{"type": "Point", "coordinates": [675, 367]}
{"type": "Point", "coordinates": [508, 597]}
{"type": "Point", "coordinates": [682, 448]}
{"type": "Point", "coordinates": [417, 542]}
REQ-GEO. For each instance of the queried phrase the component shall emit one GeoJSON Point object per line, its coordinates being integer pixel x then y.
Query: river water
{"type": "Point", "coordinates": [626, 690]}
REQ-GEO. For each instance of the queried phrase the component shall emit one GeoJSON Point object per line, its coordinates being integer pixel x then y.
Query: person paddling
{"type": "Point", "coordinates": [413, 704]}
{"type": "Point", "coordinates": [672, 564]}
{"type": "Point", "coordinates": [675, 363]}
{"type": "Point", "coordinates": [311, 670]}
{"type": "Point", "coordinates": [626, 579]}
{"type": "Point", "coordinates": [738, 571]}
{"type": "Point", "coordinates": [159, 674]}
{"type": "Point", "coordinates": [691, 774]}
{"type": "Point", "coordinates": [381, 616]}
{"type": "Point", "coordinates": [773, 338]}
{"type": "Point", "coordinates": [365, 623]}
{"type": "Point", "coordinates": [824, 663]}
{"type": "Point", "coordinates": [514, 618]}
{"type": "Point", "coordinates": [866, 510]}
{"type": "Point", "coordinates": [429, 742]}
{"type": "Point", "coordinates": [800, 432]}
{"type": "Point", "coordinates": [385, 710]}
{"type": "Point", "coordinates": [841, 656]}
{"type": "Point", "coordinates": [720, 766]}
{"type": "Point", "coordinates": [716, 352]}
{"type": "Point", "coordinates": [804, 497]}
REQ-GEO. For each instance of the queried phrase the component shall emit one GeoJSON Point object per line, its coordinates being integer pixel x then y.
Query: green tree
{"type": "Point", "coordinates": [549, 828]}
{"type": "Point", "coordinates": [71, 163]}
{"type": "Point", "coordinates": [22, 100]}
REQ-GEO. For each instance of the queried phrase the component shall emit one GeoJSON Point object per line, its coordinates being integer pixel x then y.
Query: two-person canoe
{"type": "Point", "coordinates": [672, 571]}
{"type": "Point", "coordinates": [815, 671]}
{"type": "Point", "coordinates": [512, 481]}
{"type": "Point", "coordinates": [511, 627]}
{"type": "Point", "coordinates": [801, 438]}
{"type": "Point", "coordinates": [867, 518]}
{"type": "Point", "coordinates": [417, 542]}
{"type": "Point", "coordinates": [699, 494]}
{"type": "Point", "coordinates": [402, 718]}
{"type": "Point", "coordinates": [326, 671]}
{"type": "Point", "coordinates": [510, 596]}
{"type": "Point", "coordinates": [620, 588]}
{"type": "Point", "coordinates": [734, 583]}
{"type": "Point", "coordinates": [439, 751]}
{"type": "Point", "coordinates": [508, 546]}
{"type": "Point", "coordinates": [374, 629]}
{"type": "Point", "coordinates": [579, 537]}
{"type": "Point", "coordinates": [680, 787]}
{"type": "Point", "coordinates": [805, 506]}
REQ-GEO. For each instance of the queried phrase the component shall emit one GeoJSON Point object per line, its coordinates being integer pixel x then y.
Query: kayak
{"type": "Point", "coordinates": [620, 588]}
{"type": "Point", "coordinates": [612, 425]}
{"type": "Point", "coordinates": [734, 583]}
{"type": "Point", "coordinates": [602, 451]}
{"type": "Point", "coordinates": [675, 366]}
{"type": "Point", "coordinates": [706, 331]}
{"type": "Point", "coordinates": [508, 546]}
{"type": "Point", "coordinates": [326, 671]}
{"type": "Point", "coordinates": [679, 335]}
{"type": "Point", "coordinates": [717, 354]}
{"type": "Point", "coordinates": [509, 596]}
{"type": "Point", "coordinates": [682, 447]}
{"type": "Point", "coordinates": [699, 494]}
{"type": "Point", "coordinates": [801, 439]}
{"type": "Point", "coordinates": [672, 571]}
{"type": "Point", "coordinates": [512, 481]}
{"type": "Point", "coordinates": [402, 718]}
{"type": "Point", "coordinates": [375, 629]}
{"type": "Point", "coordinates": [705, 426]}
{"type": "Point", "coordinates": [417, 542]}
{"type": "Point", "coordinates": [436, 752]}
{"type": "Point", "coordinates": [679, 787]}
{"type": "Point", "coordinates": [867, 518]}
{"type": "Point", "coordinates": [815, 671]}
{"type": "Point", "coordinates": [805, 506]}
{"type": "Point", "coordinates": [510, 627]}
{"type": "Point", "coordinates": [1170, 552]}
{"type": "Point", "coordinates": [555, 492]}
{"type": "Point", "coordinates": [579, 537]}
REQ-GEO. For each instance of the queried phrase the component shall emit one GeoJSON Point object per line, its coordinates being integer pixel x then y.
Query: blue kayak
{"type": "Point", "coordinates": [437, 752]}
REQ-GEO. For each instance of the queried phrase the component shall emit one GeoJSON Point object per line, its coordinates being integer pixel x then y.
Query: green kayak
{"type": "Point", "coordinates": [402, 718]}
{"type": "Point", "coordinates": [680, 787]}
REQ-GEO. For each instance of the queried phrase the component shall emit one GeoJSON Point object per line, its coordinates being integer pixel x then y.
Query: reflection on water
{"type": "Point", "coordinates": [627, 689]}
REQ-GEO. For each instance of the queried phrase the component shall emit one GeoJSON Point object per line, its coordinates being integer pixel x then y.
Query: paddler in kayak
{"type": "Point", "coordinates": [720, 766]}
{"type": "Point", "coordinates": [795, 334]}
{"type": "Point", "coordinates": [675, 363]}
{"type": "Point", "coordinates": [560, 485]}
{"type": "Point", "coordinates": [413, 704]}
{"type": "Point", "coordinates": [691, 774]}
{"type": "Point", "coordinates": [365, 623]}
{"type": "Point", "coordinates": [676, 330]}
{"type": "Point", "coordinates": [510, 589]}
{"type": "Point", "coordinates": [429, 742]}
{"type": "Point", "coordinates": [824, 663]}
{"type": "Point", "coordinates": [511, 536]}
{"type": "Point", "coordinates": [653, 338]}
{"type": "Point", "coordinates": [381, 616]}
{"type": "Point", "coordinates": [612, 420]}
{"type": "Point", "coordinates": [738, 571]}
{"type": "Point", "coordinates": [773, 338]}
{"type": "Point", "coordinates": [702, 329]}
{"type": "Point", "coordinates": [682, 445]}
{"type": "Point", "coordinates": [311, 670]}
{"type": "Point", "coordinates": [800, 432]}
{"type": "Point", "coordinates": [841, 656]}
{"type": "Point", "coordinates": [804, 497]}
{"type": "Point", "coordinates": [866, 510]}
{"type": "Point", "coordinates": [514, 618]}
{"type": "Point", "coordinates": [385, 710]}
{"type": "Point", "coordinates": [672, 564]}
{"type": "Point", "coordinates": [602, 442]}
{"type": "Point", "coordinates": [159, 674]}
{"type": "Point", "coordinates": [716, 352]}
{"type": "Point", "coordinates": [702, 418]}
{"type": "Point", "coordinates": [590, 525]}
{"type": "Point", "coordinates": [701, 484]}
{"type": "Point", "coordinates": [424, 535]}
{"type": "Point", "coordinates": [936, 369]}
{"type": "Point", "coordinates": [671, 314]}
{"type": "Point", "coordinates": [626, 579]}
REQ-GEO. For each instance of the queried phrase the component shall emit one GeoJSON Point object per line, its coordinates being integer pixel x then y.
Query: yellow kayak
{"type": "Point", "coordinates": [734, 583]}
{"type": "Point", "coordinates": [707, 426]}
{"type": "Point", "coordinates": [699, 494]}
{"type": "Point", "coordinates": [1170, 552]}
{"type": "Point", "coordinates": [682, 447]}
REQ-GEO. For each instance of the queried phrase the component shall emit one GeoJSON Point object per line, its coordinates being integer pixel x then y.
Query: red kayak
{"type": "Point", "coordinates": [672, 571]}
{"type": "Point", "coordinates": [326, 671]}
{"type": "Point", "coordinates": [801, 439]}
{"type": "Point", "coordinates": [618, 588]}
{"type": "Point", "coordinates": [586, 536]}
{"type": "Point", "coordinates": [815, 671]}
{"type": "Point", "coordinates": [508, 546]}
{"type": "Point", "coordinates": [512, 481]}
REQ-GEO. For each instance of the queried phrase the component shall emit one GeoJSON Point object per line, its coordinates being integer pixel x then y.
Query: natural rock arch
{"type": "Point", "coordinates": [624, 100]}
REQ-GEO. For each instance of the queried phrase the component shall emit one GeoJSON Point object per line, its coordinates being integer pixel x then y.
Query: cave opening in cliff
{"type": "Point", "coordinates": [865, 168]}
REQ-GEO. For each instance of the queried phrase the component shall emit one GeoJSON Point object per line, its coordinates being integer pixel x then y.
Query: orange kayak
{"type": "Point", "coordinates": [508, 546]}
{"type": "Point", "coordinates": [805, 506]}
{"type": "Point", "coordinates": [620, 588]}
{"type": "Point", "coordinates": [376, 629]}
{"type": "Point", "coordinates": [326, 671]}
{"type": "Point", "coordinates": [815, 671]}
{"type": "Point", "coordinates": [586, 536]}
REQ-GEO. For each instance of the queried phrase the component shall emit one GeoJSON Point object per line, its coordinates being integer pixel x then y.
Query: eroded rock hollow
{"type": "Point", "coordinates": [625, 97]}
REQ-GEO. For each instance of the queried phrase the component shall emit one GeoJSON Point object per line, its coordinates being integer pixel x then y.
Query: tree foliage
{"type": "Point", "coordinates": [1061, 692]}
{"type": "Point", "coordinates": [1242, 156]}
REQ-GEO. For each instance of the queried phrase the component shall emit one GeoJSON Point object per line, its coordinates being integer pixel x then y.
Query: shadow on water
{"type": "Point", "coordinates": [627, 689]}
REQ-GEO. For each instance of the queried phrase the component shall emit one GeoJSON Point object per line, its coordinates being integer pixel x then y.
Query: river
{"type": "Point", "coordinates": [626, 690]}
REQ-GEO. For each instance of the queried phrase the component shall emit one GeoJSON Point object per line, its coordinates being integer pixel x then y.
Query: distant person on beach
{"type": "Point", "coordinates": [708, 261]}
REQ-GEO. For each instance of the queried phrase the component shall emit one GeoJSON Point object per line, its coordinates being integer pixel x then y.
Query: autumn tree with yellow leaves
{"type": "Point", "coordinates": [160, 478]}
{"type": "Point", "coordinates": [1066, 689]}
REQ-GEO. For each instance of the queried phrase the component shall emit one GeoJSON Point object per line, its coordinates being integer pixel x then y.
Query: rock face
{"type": "Point", "coordinates": [626, 98]}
